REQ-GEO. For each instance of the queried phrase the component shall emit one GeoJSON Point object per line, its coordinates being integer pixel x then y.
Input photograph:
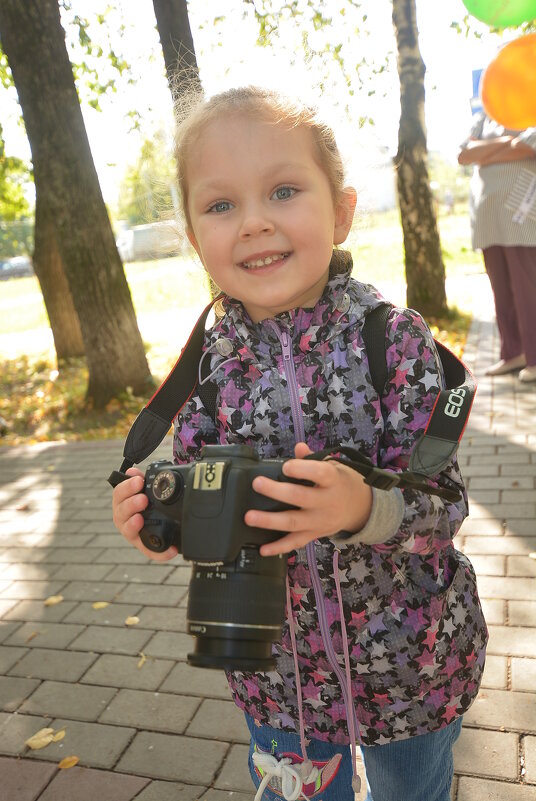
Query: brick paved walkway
{"type": "Point", "coordinates": [145, 725]}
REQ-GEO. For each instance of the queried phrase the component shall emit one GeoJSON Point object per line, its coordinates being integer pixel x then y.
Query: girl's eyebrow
{"type": "Point", "coordinates": [216, 185]}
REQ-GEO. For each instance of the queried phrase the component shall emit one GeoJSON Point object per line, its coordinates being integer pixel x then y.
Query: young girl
{"type": "Point", "coordinates": [384, 641]}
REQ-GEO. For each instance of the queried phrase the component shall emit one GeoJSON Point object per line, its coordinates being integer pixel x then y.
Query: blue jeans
{"type": "Point", "coordinates": [416, 769]}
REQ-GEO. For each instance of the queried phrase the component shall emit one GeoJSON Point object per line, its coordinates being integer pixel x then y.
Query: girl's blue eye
{"type": "Point", "coordinates": [284, 193]}
{"type": "Point", "coordinates": [220, 206]}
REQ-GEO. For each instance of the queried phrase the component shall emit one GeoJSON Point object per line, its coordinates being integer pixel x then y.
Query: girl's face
{"type": "Point", "coordinates": [263, 219]}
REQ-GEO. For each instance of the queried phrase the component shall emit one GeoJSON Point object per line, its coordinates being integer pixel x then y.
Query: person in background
{"type": "Point", "coordinates": [503, 226]}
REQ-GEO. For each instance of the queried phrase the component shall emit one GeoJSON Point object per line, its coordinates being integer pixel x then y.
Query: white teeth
{"type": "Point", "coordinates": [263, 262]}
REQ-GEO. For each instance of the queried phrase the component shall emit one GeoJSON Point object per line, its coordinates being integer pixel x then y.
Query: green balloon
{"type": "Point", "coordinates": [502, 13]}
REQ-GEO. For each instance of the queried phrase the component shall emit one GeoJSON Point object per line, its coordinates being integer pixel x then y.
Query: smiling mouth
{"type": "Point", "coordinates": [255, 264]}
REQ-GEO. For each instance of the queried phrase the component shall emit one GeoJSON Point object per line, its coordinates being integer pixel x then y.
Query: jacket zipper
{"type": "Point", "coordinates": [297, 417]}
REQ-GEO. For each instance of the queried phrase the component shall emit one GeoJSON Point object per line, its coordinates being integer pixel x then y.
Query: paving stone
{"type": "Point", "coordinates": [220, 720]}
{"type": "Point", "coordinates": [163, 618]}
{"type": "Point", "coordinates": [7, 629]}
{"type": "Point", "coordinates": [71, 553]}
{"type": "Point", "coordinates": [74, 701]}
{"type": "Point", "coordinates": [167, 756]}
{"type": "Point", "coordinates": [121, 555]}
{"type": "Point", "coordinates": [112, 615]}
{"type": "Point", "coordinates": [92, 591]}
{"type": "Point", "coordinates": [9, 656]}
{"type": "Point", "coordinates": [87, 784]}
{"type": "Point", "coordinates": [96, 744]}
{"type": "Point", "coordinates": [225, 795]}
{"type": "Point", "coordinates": [524, 674]}
{"type": "Point", "coordinates": [16, 729]}
{"type": "Point", "coordinates": [154, 710]}
{"type": "Point", "coordinates": [235, 772]}
{"type": "Point", "coordinates": [37, 611]}
{"type": "Point", "coordinates": [509, 546]}
{"type": "Point", "coordinates": [6, 606]}
{"type": "Point", "coordinates": [170, 645]}
{"type": "Point", "coordinates": [13, 691]}
{"type": "Point", "coordinates": [493, 754]}
{"type": "Point", "coordinates": [495, 672]}
{"type": "Point", "coordinates": [53, 664]}
{"type": "Point", "coordinates": [197, 681]}
{"type": "Point", "coordinates": [171, 791]}
{"type": "Point", "coordinates": [141, 574]}
{"type": "Point", "coordinates": [470, 789]}
{"type": "Point", "coordinates": [44, 635]}
{"type": "Point", "coordinates": [509, 588]}
{"type": "Point", "coordinates": [529, 748]}
{"type": "Point", "coordinates": [32, 572]}
{"type": "Point", "coordinates": [74, 572]}
{"type": "Point", "coordinates": [521, 566]}
{"type": "Point", "coordinates": [494, 611]}
{"type": "Point", "coordinates": [24, 781]}
{"type": "Point", "coordinates": [24, 590]}
{"type": "Point", "coordinates": [481, 527]}
{"type": "Point", "coordinates": [125, 671]}
{"type": "Point", "coordinates": [158, 595]}
{"type": "Point", "coordinates": [515, 711]}
{"type": "Point", "coordinates": [489, 564]}
{"type": "Point", "coordinates": [512, 641]}
{"type": "Point", "coordinates": [111, 640]}
{"type": "Point", "coordinates": [522, 613]}
{"type": "Point", "coordinates": [181, 575]}
{"type": "Point", "coordinates": [519, 528]}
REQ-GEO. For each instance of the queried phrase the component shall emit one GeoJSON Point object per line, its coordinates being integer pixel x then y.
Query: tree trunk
{"type": "Point", "coordinates": [177, 45]}
{"type": "Point", "coordinates": [56, 293]}
{"type": "Point", "coordinates": [34, 43]}
{"type": "Point", "coordinates": [425, 271]}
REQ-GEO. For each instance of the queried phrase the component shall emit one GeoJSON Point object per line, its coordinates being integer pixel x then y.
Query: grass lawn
{"type": "Point", "coordinates": [39, 403]}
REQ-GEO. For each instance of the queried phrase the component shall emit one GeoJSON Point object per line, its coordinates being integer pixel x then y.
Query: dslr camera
{"type": "Point", "coordinates": [236, 602]}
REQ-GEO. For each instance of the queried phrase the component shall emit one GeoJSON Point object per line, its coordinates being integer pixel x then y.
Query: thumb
{"type": "Point", "coordinates": [301, 450]}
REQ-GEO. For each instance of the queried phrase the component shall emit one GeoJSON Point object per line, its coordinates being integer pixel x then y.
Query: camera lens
{"type": "Point", "coordinates": [167, 485]}
{"type": "Point", "coordinates": [236, 612]}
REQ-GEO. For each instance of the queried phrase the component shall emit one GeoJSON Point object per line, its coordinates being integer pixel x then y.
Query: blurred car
{"type": "Point", "coordinates": [16, 267]}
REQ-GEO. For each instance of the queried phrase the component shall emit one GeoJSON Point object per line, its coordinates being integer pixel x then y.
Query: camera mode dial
{"type": "Point", "coordinates": [167, 485]}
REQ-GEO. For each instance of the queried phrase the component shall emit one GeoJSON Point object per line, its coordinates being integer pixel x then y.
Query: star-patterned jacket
{"type": "Point", "coordinates": [415, 630]}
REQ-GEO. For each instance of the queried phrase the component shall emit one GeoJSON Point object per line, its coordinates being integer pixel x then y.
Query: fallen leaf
{"type": "Point", "coordinates": [132, 621]}
{"type": "Point", "coordinates": [68, 762]}
{"type": "Point", "coordinates": [59, 735]}
{"type": "Point", "coordinates": [40, 739]}
{"type": "Point", "coordinates": [23, 507]}
{"type": "Point", "coordinates": [532, 555]}
{"type": "Point", "coordinates": [31, 636]}
{"type": "Point", "coordinates": [52, 600]}
{"type": "Point", "coordinates": [100, 604]}
{"type": "Point", "coordinates": [142, 660]}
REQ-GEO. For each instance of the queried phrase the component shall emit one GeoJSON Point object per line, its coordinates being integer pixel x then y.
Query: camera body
{"type": "Point", "coordinates": [236, 602]}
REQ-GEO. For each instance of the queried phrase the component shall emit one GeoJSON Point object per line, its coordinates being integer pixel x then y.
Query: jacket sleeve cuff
{"type": "Point", "coordinates": [385, 519]}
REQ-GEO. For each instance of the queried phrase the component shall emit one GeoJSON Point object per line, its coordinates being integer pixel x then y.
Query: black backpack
{"type": "Point", "coordinates": [434, 450]}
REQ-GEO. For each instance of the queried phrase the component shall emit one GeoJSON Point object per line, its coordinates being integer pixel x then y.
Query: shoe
{"type": "Point", "coordinates": [505, 366]}
{"type": "Point", "coordinates": [528, 374]}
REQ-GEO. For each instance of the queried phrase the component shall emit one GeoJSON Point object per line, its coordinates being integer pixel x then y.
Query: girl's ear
{"type": "Point", "coordinates": [344, 214]}
{"type": "Point", "coordinates": [193, 241]}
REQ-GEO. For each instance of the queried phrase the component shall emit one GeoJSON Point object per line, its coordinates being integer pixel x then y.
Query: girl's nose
{"type": "Point", "coordinates": [255, 223]}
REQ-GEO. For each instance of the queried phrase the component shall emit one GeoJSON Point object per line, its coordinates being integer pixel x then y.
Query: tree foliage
{"type": "Point", "coordinates": [147, 191]}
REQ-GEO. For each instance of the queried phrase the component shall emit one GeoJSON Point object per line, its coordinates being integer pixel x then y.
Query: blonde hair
{"type": "Point", "coordinates": [194, 113]}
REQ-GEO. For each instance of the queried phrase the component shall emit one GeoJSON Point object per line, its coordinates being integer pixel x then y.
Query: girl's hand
{"type": "Point", "coordinates": [339, 501]}
{"type": "Point", "coordinates": [128, 503]}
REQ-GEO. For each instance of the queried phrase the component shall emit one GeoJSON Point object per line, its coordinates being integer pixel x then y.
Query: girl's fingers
{"type": "Point", "coordinates": [287, 544]}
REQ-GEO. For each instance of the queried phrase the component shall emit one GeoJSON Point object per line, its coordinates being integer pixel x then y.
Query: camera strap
{"type": "Point", "coordinates": [431, 454]}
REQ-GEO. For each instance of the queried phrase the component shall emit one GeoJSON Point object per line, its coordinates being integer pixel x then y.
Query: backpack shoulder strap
{"type": "Point", "coordinates": [375, 341]}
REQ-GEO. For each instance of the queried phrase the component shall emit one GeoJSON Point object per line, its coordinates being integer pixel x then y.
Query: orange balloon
{"type": "Point", "coordinates": [508, 85]}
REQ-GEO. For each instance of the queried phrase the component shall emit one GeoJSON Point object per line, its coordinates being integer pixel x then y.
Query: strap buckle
{"type": "Point", "coordinates": [382, 479]}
